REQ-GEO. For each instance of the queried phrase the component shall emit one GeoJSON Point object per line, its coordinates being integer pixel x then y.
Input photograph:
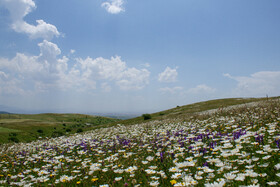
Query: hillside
{"type": "Point", "coordinates": [26, 128]}
{"type": "Point", "coordinates": [181, 113]}
{"type": "Point", "coordinates": [233, 146]}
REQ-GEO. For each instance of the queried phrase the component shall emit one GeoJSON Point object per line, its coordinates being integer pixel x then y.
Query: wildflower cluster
{"type": "Point", "coordinates": [237, 149]}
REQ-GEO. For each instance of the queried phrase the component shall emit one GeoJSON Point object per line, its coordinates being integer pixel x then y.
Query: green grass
{"type": "Point", "coordinates": [182, 113]}
{"type": "Point", "coordinates": [236, 147]}
{"type": "Point", "coordinates": [32, 127]}
{"type": "Point", "coordinates": [6, 130]}
{"type": "Point", "coordinates": [28, 128]}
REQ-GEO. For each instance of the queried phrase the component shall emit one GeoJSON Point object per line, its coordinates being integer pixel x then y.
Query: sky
{"type": "Point", "coordinates": [131, 56]}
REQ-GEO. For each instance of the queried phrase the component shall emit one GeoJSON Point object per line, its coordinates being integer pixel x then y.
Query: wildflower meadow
{"type": "Point", "coordinates": [237, 147]}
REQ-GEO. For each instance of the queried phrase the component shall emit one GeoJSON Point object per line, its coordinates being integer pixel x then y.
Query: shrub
{"type": "Point", "coordinates": [147, 116]}
{"type": "Point", "coordinates": [13, 139]}
{"type": "Point", "coordinates": [79, 130]}
{"type": "Point", "coordinates": [40, 131]}
{"type": "Point", "coordinates": [12, 134]}
{"type": "Point", "coordinates": [68, 130]}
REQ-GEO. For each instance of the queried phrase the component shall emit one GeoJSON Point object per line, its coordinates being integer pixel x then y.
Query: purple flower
{"type": "Point", "coordinates": [161, 156]}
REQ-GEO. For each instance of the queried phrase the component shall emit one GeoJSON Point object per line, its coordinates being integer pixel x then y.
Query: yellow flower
{"type": "Point", "coordinates": [94, 179]}
{"type": "Point", "coordinates": [79, 182]}
{"type": "Point", "coordinates": [173, 182]}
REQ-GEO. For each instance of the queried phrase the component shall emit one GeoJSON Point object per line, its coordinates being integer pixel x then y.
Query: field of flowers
{"type": "Point", "coordinates": [239, 147]}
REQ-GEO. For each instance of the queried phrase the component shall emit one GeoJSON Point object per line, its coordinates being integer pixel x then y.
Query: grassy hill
{"type": "Point", "coordinates": [181, 113]}
{"type": "Point", "coordinates": [231, 145]}
{"type": "Point", "coordinates": [26, 128]}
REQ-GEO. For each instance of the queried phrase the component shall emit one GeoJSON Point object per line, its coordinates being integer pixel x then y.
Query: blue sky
{"type": "Point", "coordinates": [136, 56]}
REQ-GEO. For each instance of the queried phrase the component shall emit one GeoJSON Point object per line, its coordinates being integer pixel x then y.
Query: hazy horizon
{"type": "Point", "coordinates": [122, 56]}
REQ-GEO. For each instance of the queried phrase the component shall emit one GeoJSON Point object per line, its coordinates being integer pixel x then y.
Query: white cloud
{"type": "Point", "coordinates": [48, 71]}
{"type": "Point", "coordinates": [168, 75]}
{"type": "Point", "coordinates": [3, 75]}
{"type": "Point", "coordinates": [10, 87]}
{"type": "Point", "coordinates": [134, 79]}
{"type": "Point", "coordinates": [146, 65]}
{"type": "Point", "coordinates": [49, 50]}
{"type": "Point", "coordinates": [257, 84]}
{"type": "Point", "coordinates": [173, 90]}
{"type": "Point", "coordinates": [202, 88]}
{"type": "Point", "coordinates": [101, 68]}
{"type": "Point", "coordinates": [114, 6]}
{"type": "Point", "coordinates": [114, 69]}
{"type": "Point", "coordinates": [72, 51]}
{"type": "Point", "coordinates": [34, 72]}
{"type": "Point", "coordinates": [18, 10]}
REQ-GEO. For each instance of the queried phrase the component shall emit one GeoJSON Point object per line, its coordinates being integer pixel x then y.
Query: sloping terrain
{"type": "Point", "coordinates": [233, 146]}
{"type": "Point", "coordinates": [181, 113]}
{"type": "Point", "coordinates": [26, 128]}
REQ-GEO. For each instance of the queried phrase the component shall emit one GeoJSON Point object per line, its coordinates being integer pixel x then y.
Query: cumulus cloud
{"type": "Point", "coordinates": [257, 84]}
{"type": "Point", "coordinates": [168, 75]}
{"type": "Point", "coordinates": [48, 71]}
{"type": "Point", "coordinates": [18, 10]}
{"type": "Point", "coordinates": [202, 88]}
{"type": "Point", "coordinates": [114, 6]}
{"type": "Point", "coordinates": [172, 90]}
{"type": "Point", "coordinates": [115, 70]}
{"type": "Point", "coordinates": [101, 68]}
{"type": "Point", "coordinates": [25, 72]}
{"type": "Point", "coordinates": [134, 79]}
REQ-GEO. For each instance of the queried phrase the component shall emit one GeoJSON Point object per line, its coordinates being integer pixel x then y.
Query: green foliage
{"type": "Point", "coordinates": [13, 139]}
{"type": "Point", "coordinates": [40, 131]}
{"type": "Point", "coordinates": [147, 116]}
{"type": "Point", "coordinates": [79, 130]}
{"type": "Point", "coordinates": [12, 134]}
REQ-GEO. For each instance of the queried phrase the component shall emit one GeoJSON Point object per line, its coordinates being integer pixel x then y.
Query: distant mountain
{"type": "Point", "coordinates": [3, 112]}
{"type": "Point", "coordinates": [7, 109]}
